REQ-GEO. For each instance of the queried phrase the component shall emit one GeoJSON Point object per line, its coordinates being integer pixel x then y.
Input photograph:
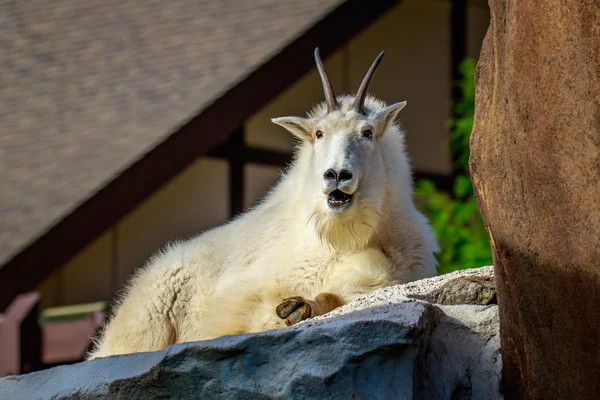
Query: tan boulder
{"type": "Point", "coordinates": [535, 164]}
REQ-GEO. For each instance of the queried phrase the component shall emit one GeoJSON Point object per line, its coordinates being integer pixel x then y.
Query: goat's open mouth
{"type": "Point", "coordinates": [338, 199]}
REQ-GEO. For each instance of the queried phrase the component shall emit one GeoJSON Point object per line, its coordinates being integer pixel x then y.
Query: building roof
{"type": "Point", "coordinates": [91, 92]}
{"type": "Point", "coordinates": [89, 87]}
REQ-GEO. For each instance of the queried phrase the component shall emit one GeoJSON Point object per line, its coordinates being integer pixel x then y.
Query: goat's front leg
{"type": "Point", "coordinates": [296, 309]}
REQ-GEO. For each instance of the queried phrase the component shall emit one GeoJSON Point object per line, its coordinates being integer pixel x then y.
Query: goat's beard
{"type": "Point", "coordinates": [350, 231]}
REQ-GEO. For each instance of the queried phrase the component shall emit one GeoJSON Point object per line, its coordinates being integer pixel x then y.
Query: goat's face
{"type": "Point", "coordinates": [346, 170]}
{"type": "Point", "coordinates": [345, 150]}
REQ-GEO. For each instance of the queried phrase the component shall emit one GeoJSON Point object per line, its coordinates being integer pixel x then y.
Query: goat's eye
{"type": "Point", "coordinates": [368, 133]}
{"type": "Point", "coordinates": [319, 134]}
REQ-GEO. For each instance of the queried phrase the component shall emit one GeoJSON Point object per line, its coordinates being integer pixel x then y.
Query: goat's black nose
{"type": "Point", "coordinates": [343, 175]}
{"type": "Point", "coordinates": [330, 175]}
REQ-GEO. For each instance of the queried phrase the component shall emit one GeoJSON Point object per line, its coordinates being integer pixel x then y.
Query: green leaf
{"type": "Point", "coordinates": [463, 186]}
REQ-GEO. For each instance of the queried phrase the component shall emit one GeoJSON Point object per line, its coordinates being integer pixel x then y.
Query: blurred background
{"type": "Point", "coordinates": [126, 125]}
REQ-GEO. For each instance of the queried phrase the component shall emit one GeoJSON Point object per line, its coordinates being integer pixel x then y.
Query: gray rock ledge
{"type": "Point", "coordinates": [394, 343]}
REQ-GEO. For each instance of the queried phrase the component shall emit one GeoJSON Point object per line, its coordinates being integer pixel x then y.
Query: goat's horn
{"type": "Point", "coordinates": [332, 103]}
{"type": "Point", "coordinates": [359, 99]}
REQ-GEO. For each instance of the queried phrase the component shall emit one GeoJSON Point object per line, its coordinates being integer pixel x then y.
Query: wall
{"type": "Point", "coordinates": [195, 200]}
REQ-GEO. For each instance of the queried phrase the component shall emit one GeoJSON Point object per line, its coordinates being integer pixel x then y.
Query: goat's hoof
{"type": "Point", "coordinates": [293, 310]}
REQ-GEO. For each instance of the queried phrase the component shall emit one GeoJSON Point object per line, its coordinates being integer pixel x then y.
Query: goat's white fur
{"type": "Point", "coordinates": [229, 279]}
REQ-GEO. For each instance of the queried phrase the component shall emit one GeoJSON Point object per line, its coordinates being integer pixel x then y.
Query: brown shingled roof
{"type": "Point", "coordinates": [89, 89]}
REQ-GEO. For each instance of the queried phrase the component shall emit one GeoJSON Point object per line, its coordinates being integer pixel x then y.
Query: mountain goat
{"type": "Point", "coordinates": [340, 223]}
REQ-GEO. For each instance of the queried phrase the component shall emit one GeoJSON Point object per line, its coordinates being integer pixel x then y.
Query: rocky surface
{"type": "Point", "coordinates": [535, 164]}
{"type": "Point", "coordinates": [468, 290]}
{"type": "Point", "coordinates": [394, 343]}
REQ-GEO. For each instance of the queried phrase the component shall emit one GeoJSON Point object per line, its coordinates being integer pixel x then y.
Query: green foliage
{"type": "Point", "coordinates": [456, 219]}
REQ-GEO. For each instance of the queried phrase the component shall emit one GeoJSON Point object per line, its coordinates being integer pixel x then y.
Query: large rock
{"type": "Point", "coordinates": [535, 163]}
{"type": "Point", "coordinates": [394, 343]}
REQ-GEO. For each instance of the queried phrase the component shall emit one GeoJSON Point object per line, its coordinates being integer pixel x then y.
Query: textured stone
{"type": "Point", "coordinates": [463, 356]}
{"type": "Point", "coordinates": [389, 344]}
{"type": "Point", "coordinates": [535, 163]}
{"type": "Point", "coordinates": [468, 290]}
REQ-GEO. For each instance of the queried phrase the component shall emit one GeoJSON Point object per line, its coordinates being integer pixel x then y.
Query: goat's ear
{"type": "Point", "coordinates": [299, 126]}
{"type": "Point", "coordinates": [388, 114]}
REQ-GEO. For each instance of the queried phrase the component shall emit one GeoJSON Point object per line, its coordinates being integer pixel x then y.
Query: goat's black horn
{"type": "Point", "coordinates": [361, 94]}
{"type": "Point", "coordinates": [332, 103]}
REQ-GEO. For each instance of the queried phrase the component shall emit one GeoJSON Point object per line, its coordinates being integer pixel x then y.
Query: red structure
{"type": "Point", "coordinates": [27, 343]}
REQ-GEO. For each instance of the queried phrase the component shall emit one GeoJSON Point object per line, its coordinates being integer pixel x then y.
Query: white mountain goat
{"type": "Point", "coordinates": [340, 223]}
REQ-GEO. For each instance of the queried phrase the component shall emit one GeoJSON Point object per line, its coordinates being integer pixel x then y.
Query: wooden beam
{"type": "Point", "coordinates": [281, 159]}
{"type": "Point", "coordinates": [458, 52]}
{"type": "Point", "coordinates": [236, 172]}
{"type": "Point", "coordinates": [267, 157]}
{"type": "Point", "coordinates": [253, 155]}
